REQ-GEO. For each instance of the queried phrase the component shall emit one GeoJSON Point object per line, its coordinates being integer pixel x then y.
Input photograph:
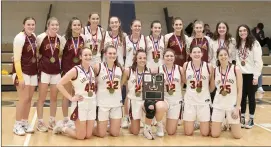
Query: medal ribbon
{"type": "Point", "coordinates": [76, 46]}
{"type": "Point", "coordinates": [51, 47]}
{"type": "Point", "coordinates": [201, 42]}
{"type": "Point", "coordinates": [198, 76]}
{"type": "Point", "coordinates": [137, 44]}
{"type": "Point", "coordinates": [139, 78]}
{"type": "Point", "coordinates": [110, 75]}
{"type": "Point", "coordinates": [115, 41]}
{"type": "Point", "coordinates": [155, 45]}
{"type": "Point", "coordinates": [89, 77]}
{"type": "Point", "coordinates": [226, 75]}
{"type": "Point", "coordinates": [96, 37]}
{"type": "Point", "coordinates": [243, 53]}
{"type": "Point", "coordinates": [169, 78]}
{"type": "Point", "coordinates": [33, 50]}
{"type": "Point", "coordinates": [179, 44]}
{"type": "Point", "coordinates": [220, 44]}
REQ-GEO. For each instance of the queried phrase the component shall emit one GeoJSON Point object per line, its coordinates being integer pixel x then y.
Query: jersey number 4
{"type": "Point", "coordinates": [114, 86]}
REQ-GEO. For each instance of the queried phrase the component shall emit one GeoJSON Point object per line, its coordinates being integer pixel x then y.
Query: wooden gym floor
{"type": "Point", "coordinates": [259, 135]}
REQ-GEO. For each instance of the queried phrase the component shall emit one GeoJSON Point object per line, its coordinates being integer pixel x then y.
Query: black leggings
{"type": "Point", "coordinates": [249, 91]}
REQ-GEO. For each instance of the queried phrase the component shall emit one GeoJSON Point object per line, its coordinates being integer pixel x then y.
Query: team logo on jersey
{"type": "Point", "coordinates": [204, 46]}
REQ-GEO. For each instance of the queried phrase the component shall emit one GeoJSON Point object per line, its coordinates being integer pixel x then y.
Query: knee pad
{"type": "Point", "coordinates": [150, 113]}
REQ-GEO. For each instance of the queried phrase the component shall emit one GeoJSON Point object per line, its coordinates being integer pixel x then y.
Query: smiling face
{"type": "Point", "coordinates": [29, 26]}
{"type": "Point", "coordinates": [243, 33]}
{"type": "Point", "coordinates": [178, 25]}
{"type": "Point", "coordinates": [76, 26]}
{"type": "Point", "coordinates": [111, 54]}
{"type": "Point", "coordinates": [141, 59]}
{"type": "Point", "coordinates": [223, 56]}
{"type": "Point", "coordinates": [198, 28]}
{"type": "Point", "coordinates": [222, 29]}
{"type": "Point", "coordinates": [94, 19]}
{"type": "Point", "coordinates": [169, 57]}
{"type": "Point", "coordinates": [156, 29]}
{"type": "Point", "coordinates": [136, 27]}
{"type": "Point", "coordinates": [53, 26]}
{"type": "Point", "coordinates": [196, 54]}
{"type": "Point", "coordinates": [114, 23]}
{"type": "Point", "coordinates": [86, 56]}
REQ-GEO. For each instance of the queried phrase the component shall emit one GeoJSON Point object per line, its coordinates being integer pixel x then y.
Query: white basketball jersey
{"type": "Point", "coordinates": [131, 49]}
{"type": "Point", "coordinates": [176, 85]}
{"type": "Point", "coordinates": [104, 97]}
{"type": "Point", "coordinates": [108, 40]}
{"type": "Point", "coordinates": [225, 102]}
{"type": "Point", "coordinates": [132, 85]}
{"type": "Point", "coordinates": [81, 84]}
{"type": "Point", "coordinates": [91, 40]}
{"type": "Point", "coordinates": [191, 96]}
{"type": "Point", "coordinates": [152, 46]}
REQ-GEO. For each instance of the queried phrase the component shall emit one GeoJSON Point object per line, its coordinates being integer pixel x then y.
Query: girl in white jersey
{"type": "Point", "coordinates": [115, 36]}
{"type": "Point", "coordinates": [109, 98]}
{"type": "Point", "coordinates": [174, 79]}
{"type": "Point", "coordinates": [249, 60]}
{"type": "Point", "coordinates": [25, 74]}
{"type": "Point", "coordinates": [197, 98]}
{"type": "Point", "coordinates": [83, 106]}
{"type": "Point", "coordinates": [94, 35]}
{"type": "Point", "coordinates": [49, 71]}
{"type": "Point", "coordinates": [155, 45]}
{"type": "Point", "coordinates": [227, 78]}
{"type": "Point", "coordinates": [134, 42]}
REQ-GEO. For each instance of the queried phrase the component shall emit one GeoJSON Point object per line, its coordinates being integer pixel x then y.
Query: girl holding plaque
{"type": "Point", "coordinates": [223, 39]}
{"type": "Point", "coordinates": [82, 78]}
{"type": "Point", "coordinates": [227, 78]}
{"type": "Point", "coordinates": [177, 41]}
{"type": "Point", "coordinates": [109, 97]}
{"type": "Point", "coordinates": [155, 45]}
{"type": "Point", "coordinates": [174, 79]}
{"type": "Point", "coordinates": [115, 36]}
{"type": "Point", "coordinates": [25, 74]}
{"type": "Point", "coordinates": [134, 42]}
{"type": "Point", "coordinates": [71, 44]}
{"type": "Point", "coordinates": [49, 71]}
{"type": "Point", "coordinates": [199, 39]}
{"type": "Point", "coordinates": [249, 60]}
{"type": "Point", "coordinates": [197, 98]}
{"type": "Point", "coordinates": [94, 35]}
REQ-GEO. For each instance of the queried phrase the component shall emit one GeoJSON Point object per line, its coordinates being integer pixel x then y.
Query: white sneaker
{"type": "Point", "coordinates": [160, 129]}
{"type": "Point", "coordinates": [28, 128]}
{"type": "Point", "coordinates": [58, 127]}
{"type": "Point", "coordinates": [148, 133]}
{"type": "Point", "coordinates": [125, 123]}
{"type": "Point", "coordinates": [69, 124]}
{"type": "Point", "coordinates": [260, 90]}
{"type": "Point", "coordinates": [18, 130]}
{"type": "Point", "coordinates": [52, 124]}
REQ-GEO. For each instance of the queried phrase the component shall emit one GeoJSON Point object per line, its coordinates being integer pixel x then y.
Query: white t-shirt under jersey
{"type": "Point", "coordinates": [192, 97]}
{"type": "Point", "coordinates": [104, 97]}
{"type": "Point", "coordinates": [225, 102]}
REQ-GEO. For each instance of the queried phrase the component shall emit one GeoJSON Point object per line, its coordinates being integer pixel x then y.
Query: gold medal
{"type": "Point", "coordinates": [138, 94]}
{"type": "Point", "coordinates": [198, 89]}
{"type": "Point", "coordinates": [243, 63]}
{"type": "Point", "coordinates": [156, 60]}
{"type": "Point", "coordinates": [170, 92]}
{"type": "Point", "coordinates": [90, 94]}
{"type": "Point", "coordinates": [224, 92]}
{"type": "Point", "coordinates": [75, 60]}
{"type": "Point", "coordinates": [33, 60]}
{"type": "Point", "coordinates": [111, 90]}
{"type": "Point", "coordinates": [52, 60]}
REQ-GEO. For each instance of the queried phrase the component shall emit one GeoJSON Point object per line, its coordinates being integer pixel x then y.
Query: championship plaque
{"type": "Point", "coordinates": [153, 86]}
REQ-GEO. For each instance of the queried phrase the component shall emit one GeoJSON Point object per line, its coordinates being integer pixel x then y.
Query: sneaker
{"type": "Point", "coordinates": [243, 122]}
{"type": "Point", "coordinates": [260, 90]}
{"type": "Point", "coordinates": [141, 124]}
{"type": "Point", "coordinates": [58, 127]}
{"type": "Point", "coordinates": [250, 123]}
{"type": "Point", "coordinates": [154, 122]}
{"type": "Point", "coordinates": [125, 122]}
{"type": "Point", "coordinates": [160, 129]}
{"type": "Point", "coordinates": [224, 127]}
{"type": "Point", "coordinates": [18, 130]}
{"type": "Point", "coordinates": [52, 124]}
{"type": "Point", "coordinates": [148, 133]}
{"type": "Point", "coordinates": [27, 128]}
{"type": "Point", "coordinates": [68, 123]}
{"type": "Point", "coordinates": [42, 127]}
{"type": "Point", "coordinates": [196, 125]}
